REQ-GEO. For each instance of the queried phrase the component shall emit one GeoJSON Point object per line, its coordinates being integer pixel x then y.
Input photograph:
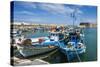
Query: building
{"type": "Point", "coordinates": [88, 25]}
{"type": "Point", "coordinates": [20, 25]}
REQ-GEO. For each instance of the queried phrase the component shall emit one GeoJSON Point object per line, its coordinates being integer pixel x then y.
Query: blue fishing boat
{"type": "Point", "coordinates": [75, 45]}
{"type": "Point", "coordinates": [74, 41]}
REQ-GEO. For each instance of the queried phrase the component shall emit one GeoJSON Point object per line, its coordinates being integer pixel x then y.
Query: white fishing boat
{"type": "Point", "coordinates": [27, 51]}
{"type": "Point", "coordinates": [37, 46]}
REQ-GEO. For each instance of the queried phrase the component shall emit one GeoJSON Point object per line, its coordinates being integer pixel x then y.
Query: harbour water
{"type": "Point", "coordinates": [58, 57]}
{"type": "Point", "coordinates": [91, 44]}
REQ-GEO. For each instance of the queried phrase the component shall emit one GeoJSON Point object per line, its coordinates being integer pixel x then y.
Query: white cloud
{"type": "Point", "coordinates": [50, 7]}
{"type": "Point", "coordinates": [24, 12]}
{"type": "Point", "coordinates": [58, 8]}
{"type": "Point", "coordinates": [55, 8]}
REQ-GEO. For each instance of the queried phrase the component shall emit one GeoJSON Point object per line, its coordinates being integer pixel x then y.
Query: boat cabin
{"type": "Point", "coordinates": [74, 36]}
{"type": "Point", "coordinates": [55, 36]}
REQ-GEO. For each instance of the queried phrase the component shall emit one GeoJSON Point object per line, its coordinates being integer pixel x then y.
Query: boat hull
{"type": "Point", "coordinates": [31, 50]}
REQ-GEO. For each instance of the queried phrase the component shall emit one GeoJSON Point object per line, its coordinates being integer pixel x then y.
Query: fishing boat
{"type": "Point", "coordinates": [35, 46]}
{"type": "Point", "coordinates": [75, 45]}
{"type": "Point", "coordinates": [75, 41]}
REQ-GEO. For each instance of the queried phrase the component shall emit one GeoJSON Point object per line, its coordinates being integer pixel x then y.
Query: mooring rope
{"type": "Point", "coordinates": [49, 54]}
{"type": "Point", "coordinates": [77, 55]}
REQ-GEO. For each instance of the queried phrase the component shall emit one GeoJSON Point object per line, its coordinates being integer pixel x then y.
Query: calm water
{"type": "Point", "coordinates": [91, 44]}
{"type": "Point", "coordinates": [58, 57]}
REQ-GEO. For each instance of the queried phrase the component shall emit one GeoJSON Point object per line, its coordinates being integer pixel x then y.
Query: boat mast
{"type": "Point", "coordinates": [73, 15]}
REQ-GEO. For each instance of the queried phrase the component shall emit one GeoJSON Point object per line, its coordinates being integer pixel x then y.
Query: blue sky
{"type": "Point", "coordinates": [51, 13]}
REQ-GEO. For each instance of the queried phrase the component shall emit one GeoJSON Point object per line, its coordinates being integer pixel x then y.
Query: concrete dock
{"type": "Point", "coordinates": [21, 62]}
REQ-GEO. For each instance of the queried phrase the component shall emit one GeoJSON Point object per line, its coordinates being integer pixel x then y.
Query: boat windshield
{"type": "Point", "coordinates": [53, 34]}
{"type": "Point", "coordinates": [74, 37]}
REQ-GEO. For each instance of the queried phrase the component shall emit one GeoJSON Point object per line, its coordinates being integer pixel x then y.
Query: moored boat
{"type": "Point", "coordinates": [27, 51]}
{"type": "Point", "coordinates": [75, 44]}
{"type": "Point", "coordinates": [29, 48]}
